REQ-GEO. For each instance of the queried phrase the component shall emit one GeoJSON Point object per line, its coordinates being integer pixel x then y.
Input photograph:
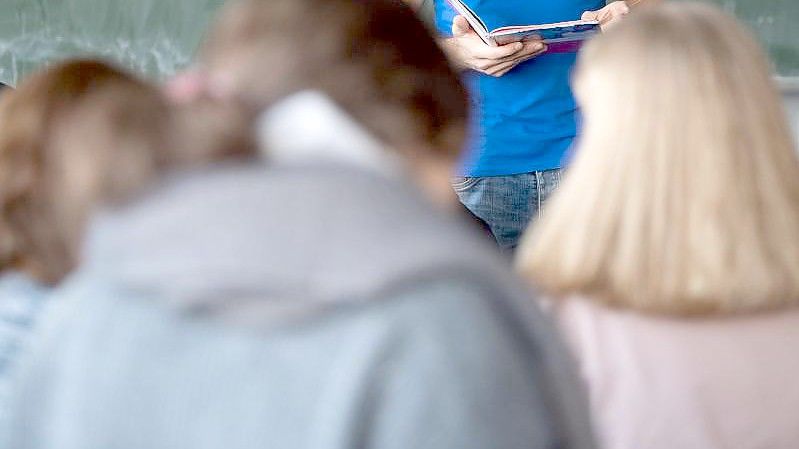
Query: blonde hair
{"type": "Point", "coordinates": [684, 195]}
{"type": "Point", "coordinates": [71, 136]}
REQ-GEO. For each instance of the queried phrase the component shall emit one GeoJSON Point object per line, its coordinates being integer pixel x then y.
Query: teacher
{"type": "Point", "coordinates": [524, 115]}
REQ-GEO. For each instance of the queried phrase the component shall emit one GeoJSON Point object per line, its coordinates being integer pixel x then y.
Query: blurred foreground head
{"type": "Point", "coordinates": [374, 58]}
{"type": "Point", "coordinates": [70, 136]}
{"type": "Point", "coordinates": [684, 197]}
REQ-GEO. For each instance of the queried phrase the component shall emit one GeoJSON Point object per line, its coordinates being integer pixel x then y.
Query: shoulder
{"type": "Point", "coordinates": [469, 302]}
{"type": "Point", "coordinates": [486, 356]}
{"type": "Point", "coordinates": [18, 285]}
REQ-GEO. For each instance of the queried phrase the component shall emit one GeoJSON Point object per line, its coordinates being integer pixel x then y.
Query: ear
{"type": "Point", "coordinates": [186, 87]}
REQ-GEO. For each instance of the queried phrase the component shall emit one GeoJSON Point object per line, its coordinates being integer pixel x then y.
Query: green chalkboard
{"type": "Point", "coordinates": [776, 22]}
{"type": "Point", "coordinates": [159, 37]}
{"type": "Point", "coordinates": [153, 37]}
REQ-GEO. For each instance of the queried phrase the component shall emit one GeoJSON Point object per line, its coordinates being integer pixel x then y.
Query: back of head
{"type": "Point", "coordinates": [684, 197]}
{"type": "Point", "coordinates": [70, 136]}
{"type": "Point", "coordinates": [375, 58]}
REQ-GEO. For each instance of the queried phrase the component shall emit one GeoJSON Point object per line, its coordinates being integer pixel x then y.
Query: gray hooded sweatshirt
{"type": "Point", "coordinates": [302, 307]}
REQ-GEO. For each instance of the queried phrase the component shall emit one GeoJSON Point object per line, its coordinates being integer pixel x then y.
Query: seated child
{"type": "Point", "coordinates": [329, 298]}
{"type": "Point", "coordinates": [671, 251]}
{"type": "Point", "coordinates": [48, 188]}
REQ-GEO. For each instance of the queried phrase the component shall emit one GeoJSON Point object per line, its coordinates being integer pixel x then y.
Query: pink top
{"type": "Point", "coordinates": [667, 383]}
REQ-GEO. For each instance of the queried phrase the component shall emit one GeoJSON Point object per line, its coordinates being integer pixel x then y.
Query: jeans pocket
{"type": "Point", "coordinates": [462, 184]}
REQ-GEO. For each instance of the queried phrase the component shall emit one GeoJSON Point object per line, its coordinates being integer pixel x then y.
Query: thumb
{"type": "Point", "coordinates": [590, 15]}
{"type": "Point", "coordinates": [460, 26]}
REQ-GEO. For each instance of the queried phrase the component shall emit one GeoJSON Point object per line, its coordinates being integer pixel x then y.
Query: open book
{"type": "Point", "coordinates": [560, 36]}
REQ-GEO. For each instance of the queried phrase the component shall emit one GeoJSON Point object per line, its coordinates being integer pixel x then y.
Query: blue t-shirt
{"type": "Point", "coordinates": [525, 120]}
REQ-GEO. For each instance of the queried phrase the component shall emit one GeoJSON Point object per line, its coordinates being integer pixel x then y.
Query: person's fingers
{"type": "Point", "coordinates": [533, 47]}
{"type": "Point", "coordinates": [494, 66]}
{"type": "Point", "coordinates": [498, 53]}
{"type": "Point", "coordinates": [485, 65]}
{"type": "Point", "coordinates": [526, 56]}
{"type": "Point", "coordinates": [505, 67]}
{"type": "Point", "coordinates": [461, 27]}
{"type": "Point", "coordinates": [611, 14]}
{"type": "Point", "coordinates": [610, 23]}
{"type": "Point", "coordinates": [491, 66]}
{"type": "Point", "coordinates": [608, 15]}
{"type": "Point", "coordinates": [501, 69]}
{"type": "Point", "coordinates": [590, 15]}
{"type": "Point", "coordinates": [615, 11]}
{"type": "Point", "coordinates": [502, 73]}
{"type": "Point", "coordinates": [512, 51]}
{"type": "Point", "coordinates": [525, 50]}
{"type": "Point", "coordinates": [622, 7]}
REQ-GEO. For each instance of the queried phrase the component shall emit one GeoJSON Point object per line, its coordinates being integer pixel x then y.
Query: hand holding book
{"type": "Point", "coordinates": [496, 52]}
{"type": "Point", "coordinates": [609, 15]}
{"type": "Point", "coordinates": [561, 36]}
{"type": "Point", "coordinates": [469, 50]}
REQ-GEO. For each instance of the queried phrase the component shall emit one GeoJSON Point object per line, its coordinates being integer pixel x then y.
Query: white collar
{"type": "Point", "coordinates": [310, 126]}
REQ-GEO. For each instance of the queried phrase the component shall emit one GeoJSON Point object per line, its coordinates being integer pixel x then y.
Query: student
{"type": "Point", "coordinates": [47, 189]}
{"type": "Point", "coordinates": [677, 283]}
{"type": "Point", "coordinates": [326, 299]}
{"type": "Point", "coordinates": [388, 99]}
{"type": "Point", "coordinates": [522, 108]}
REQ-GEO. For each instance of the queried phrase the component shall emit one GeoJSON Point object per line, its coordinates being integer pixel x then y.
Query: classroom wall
{"type": "Point", "coordinates": [153, 37]}
{"type": "Point", "coordinates": [774, 22]}
{"type": "Point", "coordinates": [159, 37]}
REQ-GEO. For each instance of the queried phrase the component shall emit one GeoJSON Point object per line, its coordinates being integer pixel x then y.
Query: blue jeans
{"type": "Point", "coordinates": [508, 203]}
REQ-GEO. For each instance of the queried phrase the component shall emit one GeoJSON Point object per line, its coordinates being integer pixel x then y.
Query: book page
{"type": "Point", "coordinates": [474, 20]}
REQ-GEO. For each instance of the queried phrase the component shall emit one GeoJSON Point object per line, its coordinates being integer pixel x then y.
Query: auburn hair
{"type": "Point", "coordinates": [56, 159]}
{"type": "Point", "coordinates": [375, 58]}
